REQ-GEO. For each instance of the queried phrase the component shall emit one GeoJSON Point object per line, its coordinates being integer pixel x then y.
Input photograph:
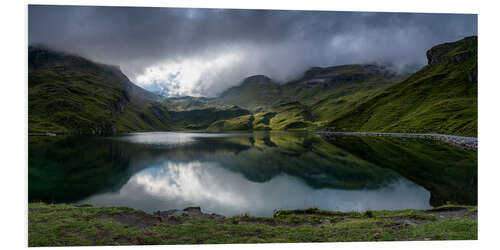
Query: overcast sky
{"type": "Point", "coordinates": [202, 52]}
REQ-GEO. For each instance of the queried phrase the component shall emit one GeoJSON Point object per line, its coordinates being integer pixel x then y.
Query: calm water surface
{"type": "Point", "coordinates": [254, 173]}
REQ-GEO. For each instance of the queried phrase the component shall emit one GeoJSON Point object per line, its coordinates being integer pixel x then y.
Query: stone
{"type": "Point", "coordinates": [409, 223]}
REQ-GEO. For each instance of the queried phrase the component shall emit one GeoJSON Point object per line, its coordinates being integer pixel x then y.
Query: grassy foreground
{"type": "Point", "coordinates": [75, 225]}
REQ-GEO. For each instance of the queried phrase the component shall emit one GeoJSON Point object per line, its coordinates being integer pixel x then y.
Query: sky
{"type": "Point", "coordinates": [202, 52]}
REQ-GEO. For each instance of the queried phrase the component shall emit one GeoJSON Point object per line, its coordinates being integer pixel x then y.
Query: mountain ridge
{"type": "Point", "coordinates": [71, 94]}
{"type": "Point", "coordinates": [68, 93]}
{"type": "Point", "coordinates": [440, 98]}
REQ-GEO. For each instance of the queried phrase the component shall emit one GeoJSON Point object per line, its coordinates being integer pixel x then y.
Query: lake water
{"type": "Point", "coordinates": [254, 173]}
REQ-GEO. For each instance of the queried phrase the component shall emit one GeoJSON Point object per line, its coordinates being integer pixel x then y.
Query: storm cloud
{"type": "Point", "coordinates": [202, 52]}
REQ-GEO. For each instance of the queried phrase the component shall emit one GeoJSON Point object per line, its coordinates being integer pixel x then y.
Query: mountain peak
{"type": "Point", "coordinates": [454, 51]}
{"type": "Point", "coordinates": [256, 79]}
{"type": "Point", "coordinates": [41, 56]}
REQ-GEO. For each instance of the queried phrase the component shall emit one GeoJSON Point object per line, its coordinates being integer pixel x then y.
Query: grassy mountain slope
{"type": "Point", "coordinates": [202, 118]}
{"type": "Point", "coordinates": [309, 102]}
{"type": "Point", "coordinates": [184, 103]}
{"type": "Point", "coordinates": [255, 93]}
{"type": "Point", "coordinates": [441, 98]}
{"type": "Point", "coordinates": [70, 94]}
{"type": "Point", "coordinates": [285, 116]}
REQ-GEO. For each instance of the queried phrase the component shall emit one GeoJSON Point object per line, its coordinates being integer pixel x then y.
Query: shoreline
{"type": "Point", "coordinates": [95, 225]}
{"type": "Point", "coordinates": [459, 141]}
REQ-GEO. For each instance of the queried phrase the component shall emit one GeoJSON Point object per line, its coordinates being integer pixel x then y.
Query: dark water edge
{"type": "Point", "coordinates": [71, 169]}
{"type": "Point", "coordinates": [448, 172]}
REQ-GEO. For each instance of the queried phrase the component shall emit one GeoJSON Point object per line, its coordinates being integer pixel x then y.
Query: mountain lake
{"type": "Point", "coordinates": [250, 173]}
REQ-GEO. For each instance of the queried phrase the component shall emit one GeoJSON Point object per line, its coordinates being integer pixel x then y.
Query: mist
{"type": "Point", "coordinates": [202, 52]}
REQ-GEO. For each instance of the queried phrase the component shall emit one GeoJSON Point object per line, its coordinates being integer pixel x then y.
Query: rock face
{"type": "Point", "coordinates": [457, 51]}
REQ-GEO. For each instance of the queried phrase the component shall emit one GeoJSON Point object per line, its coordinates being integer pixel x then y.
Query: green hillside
{"type": "Point", "coordinates": [440, 98]}
{"type": "Point", "coordinates": [184, 103]}
{"type": "Point", "coordinates": [285, 116]}
{"type": "Point", "coordinates": [308, 102]}
{"type": "Point", "coordinates": [70, 94]}
{"type": "Point", "coordinates": [201, 118]}
{"type": "Point", "coordinates": [255, 93]}
{"type": "Point", "coordinates": [73, 95]}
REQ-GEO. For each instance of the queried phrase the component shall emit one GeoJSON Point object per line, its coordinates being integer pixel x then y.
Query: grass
{"type": "Point", "coordinates": [440, 98]}
{"type": "Point", "coordinates": [202, 118]}
{"type": "Point", "coordinates": [83, 225]}
{"type": "Point", "coordinates": [244, 122]}
{"type": "Point", "coordinates": [297, 104]}
{"type": "Point", "coordinates": [71, 95]}
{"type": "Point", "coordinates": [255, 93]}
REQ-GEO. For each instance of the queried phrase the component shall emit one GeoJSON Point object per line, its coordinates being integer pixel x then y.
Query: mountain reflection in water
{"type": "Point", "coordinates": [253, 173]}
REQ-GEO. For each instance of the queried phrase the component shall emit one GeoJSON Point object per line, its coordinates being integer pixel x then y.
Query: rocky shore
{"type": "Point", "coordinates": [460, 141]}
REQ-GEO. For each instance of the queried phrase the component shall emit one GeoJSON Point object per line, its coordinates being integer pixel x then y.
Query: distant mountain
{"type": "Point", "coordinates": [71, 94]}
{"type": "Point", "coordinates": [201, 118]}
{"type": "Point", "coordinates": [256, 93]}
{"type": "Point", "coordinates": [308, 102]}
{"type": "Point", "coordinates": [440, 98]}
{"type": "Point", "coordinates": [182, 103]}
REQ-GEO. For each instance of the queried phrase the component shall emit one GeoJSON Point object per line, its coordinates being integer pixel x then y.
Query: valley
{"type": "Point", "coordinates": [171, 125]}
{"type": "Point", "coordinates": [69, 94]}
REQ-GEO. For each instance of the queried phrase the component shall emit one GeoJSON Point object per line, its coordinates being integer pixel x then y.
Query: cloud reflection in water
{"type": "Point", "coordinates": [176, 185]}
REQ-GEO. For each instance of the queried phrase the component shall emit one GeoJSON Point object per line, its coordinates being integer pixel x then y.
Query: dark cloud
{"type": "Point", "coordinates": [204, 51]}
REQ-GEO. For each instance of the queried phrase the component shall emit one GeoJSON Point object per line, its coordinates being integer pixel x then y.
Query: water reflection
{"type": "Point", "coordinates": [158, 139]}
{"type": "Point", "coordinates": [179, 185]}
{"type": "Point", "coordinates": [248, 173]}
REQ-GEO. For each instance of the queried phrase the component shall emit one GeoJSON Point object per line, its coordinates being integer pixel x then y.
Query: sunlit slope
{"type": "Point", "coordinates": [202, 117]}
{"type": "Point", "coordinates": [70, 94]}
{"type": "Point", "coordinates": [310, 102]}
{"type": "Point", "coordinates": [440, 98]}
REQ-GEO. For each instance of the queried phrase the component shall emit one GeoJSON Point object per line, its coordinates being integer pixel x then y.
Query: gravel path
{"type": "Point", "coordinates": [460, 141]}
